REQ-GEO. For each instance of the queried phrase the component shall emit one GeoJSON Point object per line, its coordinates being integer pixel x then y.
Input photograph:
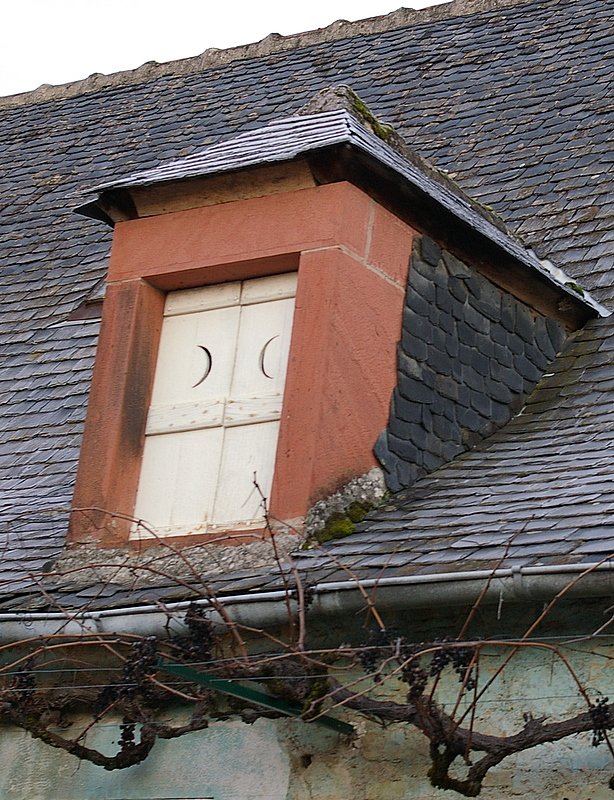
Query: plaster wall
{"type": "Point", "coordinates": [289, 760]}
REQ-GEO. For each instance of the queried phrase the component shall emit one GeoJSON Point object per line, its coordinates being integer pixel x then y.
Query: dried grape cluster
{"type": "Point", "coordinates": [134, 681]}
{"type": "Point", "coordinates": [412, 673]}
{"type": "Point", "coordinates": [600, 717]}
{"type": "Point", "coordinates": [376, 648]}
{"type": "Point", "coordinates": [24, 684]}
{"type": "Point", "coordinates": [461, 661]}
{"type": "Point", "coordinates": [308, 595]}
{"type": "Point", "coordinates": [416, 677]}
{"type": "Point", "coordinates": [459, 657]}
{"type": "Point", "coordinates": [198, 644]}
{"type": "Point", "coordinates": [384, 643]}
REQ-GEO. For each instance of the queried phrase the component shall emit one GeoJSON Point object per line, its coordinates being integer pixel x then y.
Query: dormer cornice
{"type": "Point", "coordinates": [348, 144]}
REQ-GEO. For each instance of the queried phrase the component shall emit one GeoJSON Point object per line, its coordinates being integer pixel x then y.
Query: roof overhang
{"type": "Point", "coordinates": [336, 146]}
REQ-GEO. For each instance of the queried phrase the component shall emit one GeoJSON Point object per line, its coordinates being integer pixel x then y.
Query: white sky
{"type": "Point", "coordinates": [57, 41]}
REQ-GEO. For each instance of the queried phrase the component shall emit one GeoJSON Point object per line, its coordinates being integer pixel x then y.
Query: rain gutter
{"type": "Point", "coordinates": [269, 609]}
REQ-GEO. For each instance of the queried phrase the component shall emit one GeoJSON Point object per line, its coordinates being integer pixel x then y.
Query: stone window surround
{"type": "Point", "coordinates": [352, 258]}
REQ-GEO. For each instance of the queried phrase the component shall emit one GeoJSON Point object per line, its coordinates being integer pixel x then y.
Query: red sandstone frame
{"type": "Point", "coordinates": [352, 258]}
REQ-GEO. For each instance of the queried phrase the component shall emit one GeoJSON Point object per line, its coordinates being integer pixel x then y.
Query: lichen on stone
{"type": "Point", "coordinates": [380, 129]}
{"type": "Point", "coordinates": [334, 98]}
{"type": "Point", "coordinates": [336, 515]}
{"type": "Point", "coordinates": [575, 287]}
{"type": "Point", "coordinates": [341, 524]}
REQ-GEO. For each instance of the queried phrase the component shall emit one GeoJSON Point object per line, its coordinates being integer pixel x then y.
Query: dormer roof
{"type": "Point", "coordinates": [428, 199]}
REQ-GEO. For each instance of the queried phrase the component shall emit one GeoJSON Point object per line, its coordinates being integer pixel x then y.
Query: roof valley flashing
{"type": "Point", "coordinates": [335, 142]}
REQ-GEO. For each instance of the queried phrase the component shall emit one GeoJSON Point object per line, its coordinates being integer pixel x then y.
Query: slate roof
{"type": "Point", "coordinates": [538, 492]}
{"type": "Point", "coordinates": [514, 101]}
{"type": "Point", "coordinates": [288, 138]}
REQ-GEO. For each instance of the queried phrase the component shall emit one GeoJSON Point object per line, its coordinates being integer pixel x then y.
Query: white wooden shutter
{"type": "Point", "coordinates": [214, 417]}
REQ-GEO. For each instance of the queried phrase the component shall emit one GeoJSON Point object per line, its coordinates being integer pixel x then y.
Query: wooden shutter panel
{"type": "Point", "coordinates": [213, 422]}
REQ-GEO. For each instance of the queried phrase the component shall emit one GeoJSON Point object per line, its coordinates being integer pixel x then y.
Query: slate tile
{"type": "Point", "coordinates": [532, 139]}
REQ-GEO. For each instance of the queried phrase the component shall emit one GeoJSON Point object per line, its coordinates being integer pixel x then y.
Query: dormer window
{"type": "Point", "coordinates": [213, 422]}
{"type": "Point", "coordinates": [209, 372]}
{"type": "Point", "coordinates": [189, 396]}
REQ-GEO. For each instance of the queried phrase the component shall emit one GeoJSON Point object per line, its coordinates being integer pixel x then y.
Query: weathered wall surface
{"type": "Point", "coordinates": [232, 760]}
{"type": "Point", "coordinates": [288, 760]}
{"type": "Point", "coordinates": [469, 356]}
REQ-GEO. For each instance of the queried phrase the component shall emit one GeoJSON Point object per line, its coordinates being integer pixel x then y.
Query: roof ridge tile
{"type": "Point", "coordinates": [270, 45]}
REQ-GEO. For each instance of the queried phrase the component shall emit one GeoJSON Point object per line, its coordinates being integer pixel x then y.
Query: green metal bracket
{"type": "Point", "coordinates": [251, 695]}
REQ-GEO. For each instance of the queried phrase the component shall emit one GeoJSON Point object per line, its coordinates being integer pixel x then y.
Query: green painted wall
{"type": "Point", "coordinates": [290, 760]}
